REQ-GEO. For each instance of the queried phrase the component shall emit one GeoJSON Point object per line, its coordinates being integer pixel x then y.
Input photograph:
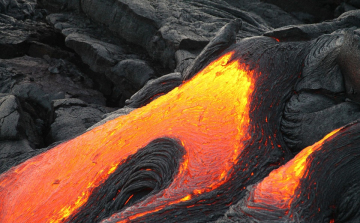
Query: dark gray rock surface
{"type": "Point", "coordinates": [42, 80]}
{"type": "Point", "coordinates": [16, 35]}
{"type": "Point", "coordinates": [100, 56]}
{"type": "Point", "coordinates": [73, 117]}
{"type": "Point", "coordinates": [153, 89]}
{"type": "Point", "coordinates": [17, 128]}
{"type": "Point", "coordinates": [137, 72]}
{"type": "Point", "coordinates": [104, 52]}
{"type": "Point", "coordinates": [308, 117]}
{"type": "Point", "coordinates": [303, 32]}
{"type": "Point", "coordinates": [11, 150]}
{"type": "Point", "coordinates": [320, 10]}
{"type": "Point", "coordinates": [163, 27]}
{"type": "Point", "coordinates": [111, 116]}
{"type": "Point", "coordinates": [183, 59]}
{"type": "Point", "coordinates": [21, 9]}
{"type": "Point", "coordinates": [9, 117]}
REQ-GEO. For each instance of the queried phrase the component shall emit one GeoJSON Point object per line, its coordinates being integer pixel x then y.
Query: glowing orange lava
{"type": "Point", "coordinates": [279, 187]}
{"type": "Point", "coordinates": [209, 114]}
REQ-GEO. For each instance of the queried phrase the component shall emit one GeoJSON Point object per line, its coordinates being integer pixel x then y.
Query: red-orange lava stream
{"type": "Point", "coordinates": [278, 189]}
{"type": "Point", "coordinates": [209, 114]}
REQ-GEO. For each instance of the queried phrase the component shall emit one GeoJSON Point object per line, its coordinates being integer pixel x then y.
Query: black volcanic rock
{"type": "Point", "coordinates": [21, 10]}
{"type": "Point", "coordinates": [42, 80]}
{"type": "Point", "coordinates": [272, 15]}
{"type": "Point", "coordinates": [321, 67]}
{"type": "Point", "coordinates": [154, 89]}
{"type": "Point", "coordinates": [183, 59]}
{"type": "Point", "coordinates": [320, 9]}
{"type": "Point", "coordinates": [119, 67]}
{"type": "Point", "coordinates": [308, 117]}
{"type": "Point", "coordinates": [348, 60]}
{"type": "Point", "coordinates": [9, 117]}
{"type": "Point", "coordinates": [36, 82]}
{"type": "Point", "coordinates": [41, 50]}
{"type": "Point", "coordinates": [343, 7]}
{"type": "Point", "coordinates": [137, 72]}
{"type": "Point", "coordinates": [100, 56]}
{"type": "Point", "coordinates": [12, 150]}
{"type": "Point", "coordinates": [73, 117]}
{"type": "Point", "coordinates": [223, 39]}
{"type": "Point", "coordinates": [111, 116]}
{"type": "Point", "coordinates": [302, 32]}
{"type": "Point", "coordinates": [33, 94]}
{"type": "Point", "coordinates": [16, 35]}
{"type": "Point", "coordinates": [325, 97]}
{"type": "Point", "coordinates": [162, 27]}
{"type": "Point", "coordinates": [16, 124]}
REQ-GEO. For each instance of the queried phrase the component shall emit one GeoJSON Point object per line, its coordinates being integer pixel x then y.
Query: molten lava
{"type": "Point", "coordinates": [209, 114]}
{"type": "Point", "coordinates": [278, 189]}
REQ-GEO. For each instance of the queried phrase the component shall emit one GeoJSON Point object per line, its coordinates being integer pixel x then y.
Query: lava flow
{"type": "Point", "coordinates": [279, 187]}
{"type": "Point", "coordinates": [208, 115]}
{"type": "Point", "coordinates": [317, 185]}
{"type": "Point", "coordinates": [320, 184]}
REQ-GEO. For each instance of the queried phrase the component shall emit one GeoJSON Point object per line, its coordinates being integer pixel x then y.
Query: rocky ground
{"type": "Point", "coordinates": [66, 65]}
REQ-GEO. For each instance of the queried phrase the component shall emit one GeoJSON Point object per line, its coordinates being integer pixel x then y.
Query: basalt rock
{"type": "Point", "coordinates": [42, 80]}
{"type": "Point", "coordinates": [9, 118]}
{"type": "Point", "coordinates": [320, 10]}
{"type": "Point", "coordinates": [119, 69]}
{"type": "Point", "coordinates": [17, 126]}
{"type": "Point", "coordinates": [308, 117]}
{"type": "Point", "coordinates": [222, 40]}
{"type": "Point", "coordinates": [21, 10]}
{"type": "Point", "coordinates": [310, 31]}
{"type": "Point", "coordinates": [36, 82]}
{"type": "Point", "coordinates": [73, 117]}
{"type": "Point", "coordinates": [11, 151]}
{"type": "Point", "coordinates": [154, 89]}
{"type": "Point", "coordinates": [136, 72]}
{"type": "Point", "coordinates": [16, 35]}
{"type": "Point", "coordinates": [184, 59]}
{"type": "Point", "coordinates": [100, 56]}
{"type": "Point", "coordinates": [329, 75]}
{"type": "Point", "coordinates": [111, 116]}
{"type": "Point", "coordinates": [344, 7]}
{"type": "Point", "coordinates": [164, 27]}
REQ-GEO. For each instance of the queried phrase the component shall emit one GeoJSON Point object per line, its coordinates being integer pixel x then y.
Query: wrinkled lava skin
{"type": "Point", "coordinates": [226, 119]}
{"type": "Point", "coordinates": [320, 184]}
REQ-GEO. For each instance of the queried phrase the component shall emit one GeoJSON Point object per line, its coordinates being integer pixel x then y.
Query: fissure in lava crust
{"type": "Point", "coordinates": [221, 131]}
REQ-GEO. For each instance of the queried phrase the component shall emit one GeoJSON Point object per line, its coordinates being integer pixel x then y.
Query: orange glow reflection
{"type": "Point", "coordinates": [209, 114]}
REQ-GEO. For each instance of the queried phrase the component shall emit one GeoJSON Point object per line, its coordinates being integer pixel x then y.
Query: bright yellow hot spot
{"type": "Point", "coordinates": [209, 114]}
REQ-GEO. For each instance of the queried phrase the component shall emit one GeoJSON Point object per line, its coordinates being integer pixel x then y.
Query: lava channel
{"type": "Point", "coordinates": [320, 184]}
{"type": "Point", "coordinates": [210, 126]}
